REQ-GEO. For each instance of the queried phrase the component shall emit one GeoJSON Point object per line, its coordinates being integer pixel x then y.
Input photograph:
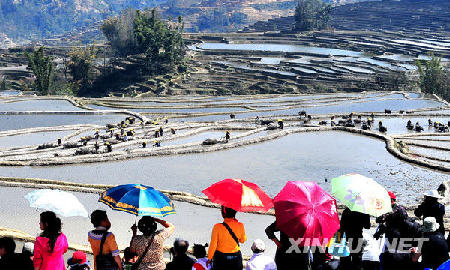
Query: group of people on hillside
{"type": "Point", "coordinates": [146, 250]}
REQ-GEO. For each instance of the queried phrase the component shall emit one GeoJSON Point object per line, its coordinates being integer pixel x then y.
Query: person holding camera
{"type": "Point", "coordinates": [150, 245]}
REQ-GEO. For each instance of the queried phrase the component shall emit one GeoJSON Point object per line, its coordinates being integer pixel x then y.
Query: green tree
{"type": "Point", "coordinates": [81, 67]}
{"type": "Point", "coordinates": [42, 67]}
{"type": "Point", "coordinates": [161, 42]}
{"type": "Point", "coordinates": [312, 15]}
{"type": "Point", "coordinates": [434, 77]}
{"type": "Point", "coordinates": [120, 32]}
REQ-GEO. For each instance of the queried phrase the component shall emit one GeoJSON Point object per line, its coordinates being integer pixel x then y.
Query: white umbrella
{"type": "Point", "coordinates": [62, 203]}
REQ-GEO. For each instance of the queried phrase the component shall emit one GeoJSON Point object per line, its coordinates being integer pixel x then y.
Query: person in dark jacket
{"type": "Point", "coordinates": [27, 256]}
{"type": "Point", "coordinates": [352, 224]}
{"type": "Point", "coordinates": [392, 224]}
{"type": "Point", "coordinates": [181, 261]}
{"type": "Point", "coordinates": [9, 259]}
{"type": "Point", "coordinates": [430, 207]}
{"type": "Point", "coordinates": [283, 259]}
{"type": "Point", "coordinates": [435, 250]}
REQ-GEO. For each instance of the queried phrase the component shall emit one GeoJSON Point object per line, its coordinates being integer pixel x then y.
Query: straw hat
{"type": "Point", "coordinates": [433, 193]}
{"type": "Point", "coordinates": [430, 224]}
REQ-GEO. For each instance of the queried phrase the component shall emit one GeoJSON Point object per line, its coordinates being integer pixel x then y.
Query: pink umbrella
{"type": "Point", "coordinates": [305, 210]}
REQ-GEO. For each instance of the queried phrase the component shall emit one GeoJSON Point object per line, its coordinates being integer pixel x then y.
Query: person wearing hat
{"type": "Point", "coordinates": [394, 225]}
{"type": "Point", "coordinates": [394, 222]}
{"type": "Point", "coordinates": [78, 261]}
{"type": "Point", "coordinates": [430, 207]}
{"type": "Point", "coordinates": [280, 123]}
{"type": "Point", "coordinates": [435, 250]}
{"type": "Point", "coordinates": [259, 261]}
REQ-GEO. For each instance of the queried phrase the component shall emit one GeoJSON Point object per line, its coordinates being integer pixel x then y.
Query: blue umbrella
{"type": "Point", "coordinates": [138, 199]}
{"type": "Point", "coordinates": [444, 266]}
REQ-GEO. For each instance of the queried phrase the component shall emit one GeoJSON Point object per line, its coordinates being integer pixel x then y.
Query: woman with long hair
{"type": "Point", "coordinates": [51, 245]}
{"type": "Point", "coordinates": [150, 245]}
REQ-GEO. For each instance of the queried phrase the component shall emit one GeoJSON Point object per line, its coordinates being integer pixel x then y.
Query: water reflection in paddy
{"type": "Point", "coordinates": [305, 156]}
{"type": "Point", "coordinates": [39, 105]}
{"type": "Point", "coordinates": [198, 138]}
{"type": "Point", "coordinates": [348, 107]}
{"type": "Point", "coordinates": [47, 120]}
{"type": "Point", "coordinates": [173, 110]}
{"type": "Point", "coordinates": [8, 93]}
{"type": "Point", "coordinates": [278, 48]}
{"type": "Point", "coordinates": [430, 152]}
{"type": "Point", "coordinates": [32, 138]}
{"type": "Point", "coordinates": [398, 125]}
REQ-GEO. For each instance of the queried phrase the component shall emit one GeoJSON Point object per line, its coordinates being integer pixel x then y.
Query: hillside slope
{"type": "Point", "coordinates": [35, 19]}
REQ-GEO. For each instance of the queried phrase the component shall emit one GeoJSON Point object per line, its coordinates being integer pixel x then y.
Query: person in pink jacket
{"type": "Point", "coordinates": [51, 245]}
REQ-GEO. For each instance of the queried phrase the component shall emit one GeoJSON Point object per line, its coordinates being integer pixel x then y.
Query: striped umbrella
{"type": "Point", "coordinates": [138, 200]}
{"type": "Point", "coordinates": [239, 195]}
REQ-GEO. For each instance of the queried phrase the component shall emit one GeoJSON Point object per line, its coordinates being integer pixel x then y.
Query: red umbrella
{"type": "Point", "coordinates": [239, 195]}
{"type": "Point", "coordinates": [305, 210]}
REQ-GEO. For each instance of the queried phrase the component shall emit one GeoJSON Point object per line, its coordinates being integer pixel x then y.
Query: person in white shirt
{"type": "Point", "coordinates": [259, 261]}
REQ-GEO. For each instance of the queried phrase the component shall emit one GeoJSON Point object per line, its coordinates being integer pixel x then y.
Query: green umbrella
{"type": "Point", "coordinates": [361, 194]}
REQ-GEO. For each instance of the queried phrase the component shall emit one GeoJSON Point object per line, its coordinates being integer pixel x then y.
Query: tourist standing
{"type": "Point", "coordinates": [259, 261]}
{"type": "Point", "coordinates": [103, 243]}
{"type": "Point", "coordinates": [435, 250]}
{"type": "Point", "coordinates": [51, 245]}
{"type": "Point", "coordinates": [283, 259]}
{"type": "Point", "coordinates": [180, 261]}
{"type": "Point", "coordinates": [352, 224]}
{"type": "Point", "coordinates": [150, 245]}
{"type": "Point", "coordinates": [224, 251]}
{"type": "Point", "coordinates": [430, 207]}
{"type": "Point", "coordinates": [393, 223]}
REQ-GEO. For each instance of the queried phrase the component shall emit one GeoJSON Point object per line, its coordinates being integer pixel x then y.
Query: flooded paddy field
{"type": "Point", "coordinates": [266, 155]}
{"type": "Point", "coordinates": [21, 121]}
{"type": "Point", "coordinates": [37, 105]}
